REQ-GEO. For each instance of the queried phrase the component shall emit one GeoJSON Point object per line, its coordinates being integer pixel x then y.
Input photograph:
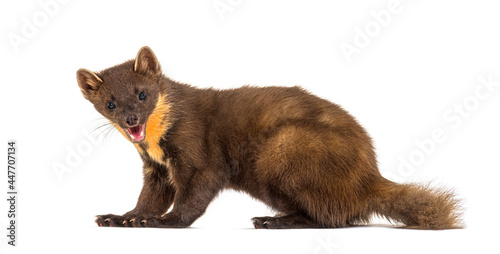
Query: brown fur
{"type": "Point", "coordinates": [303, 156]}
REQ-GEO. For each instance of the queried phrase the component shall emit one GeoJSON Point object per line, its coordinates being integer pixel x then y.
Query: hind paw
{"type": "Point", "coordinates": [289, 221]}
{"type": "Point", "coordinates": [267, 223]}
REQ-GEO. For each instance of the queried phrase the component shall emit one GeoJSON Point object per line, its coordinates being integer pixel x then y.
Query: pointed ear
{"type": "Point", "coordinates": [88, 82]}
{"type": "Point", "coordinates": [146, 62]}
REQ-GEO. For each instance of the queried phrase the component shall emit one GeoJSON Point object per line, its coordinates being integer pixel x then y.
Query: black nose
{"type": "Point", "coordinates": [132, 120]}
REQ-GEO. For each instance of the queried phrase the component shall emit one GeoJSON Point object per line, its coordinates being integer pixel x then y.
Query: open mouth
{"type": "Point", "coordinates": [137, 133]}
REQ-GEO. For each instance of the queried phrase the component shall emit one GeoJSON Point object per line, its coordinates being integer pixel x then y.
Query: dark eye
{"type": "Point", "coordinates": [142, 96]}
{"type": "Point", "coordinates": [111, 105]}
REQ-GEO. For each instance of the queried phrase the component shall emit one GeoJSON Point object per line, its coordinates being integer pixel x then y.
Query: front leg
{"type": "Point", "coordinates": [156, 197]}
{"type": "Point", "coordinates": [191, 201]}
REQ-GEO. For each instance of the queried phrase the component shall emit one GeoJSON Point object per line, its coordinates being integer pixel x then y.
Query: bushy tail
{"type": "Point", "coordinates": [418, 206]}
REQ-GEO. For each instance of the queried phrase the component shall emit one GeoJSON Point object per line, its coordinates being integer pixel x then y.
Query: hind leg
{"type": "Point", "coordinates": [317, 174]}
{"type": "Point", "coordinates": [298, 220]}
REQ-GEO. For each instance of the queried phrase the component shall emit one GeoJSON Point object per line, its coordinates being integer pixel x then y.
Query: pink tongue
{"type": "Point", "coordinates": [136, 133]}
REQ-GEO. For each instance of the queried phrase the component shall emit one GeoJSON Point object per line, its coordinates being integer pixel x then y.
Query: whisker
{"type": "Point", "coordinates": [101, 126]}
{"type": "Point", "coordinates": [110, 130]}
{"type": "Point", "coordinates": [106, 128]}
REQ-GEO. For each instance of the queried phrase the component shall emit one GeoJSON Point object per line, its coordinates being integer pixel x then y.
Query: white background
{"type": "Point", "coordinates": [404, 83]}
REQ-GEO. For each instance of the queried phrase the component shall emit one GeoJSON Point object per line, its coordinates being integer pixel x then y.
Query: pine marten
{"type": "Point", "coordinates": [303, 156]}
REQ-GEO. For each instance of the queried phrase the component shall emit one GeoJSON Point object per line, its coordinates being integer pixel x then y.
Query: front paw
{"type": "Point", "coordinates": [166, 221]}
{"type": "Point", "coordinates": [110, 220]}
{"type": "Point", "coordinates": [151, 222]}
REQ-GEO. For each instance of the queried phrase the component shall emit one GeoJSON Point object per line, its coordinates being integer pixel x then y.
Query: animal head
{"type": "Point", "coordinates": [126, 94]}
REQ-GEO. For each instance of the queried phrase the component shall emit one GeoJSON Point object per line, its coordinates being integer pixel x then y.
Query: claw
{"type": "Point", "coordinates": [143, 221]}
{"type": "Point", "coordinates": [132, 220]}
{"type": "Point", "coordinates": [106, 220]}
{"type": "Point", "coordinates": [124, 222]}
